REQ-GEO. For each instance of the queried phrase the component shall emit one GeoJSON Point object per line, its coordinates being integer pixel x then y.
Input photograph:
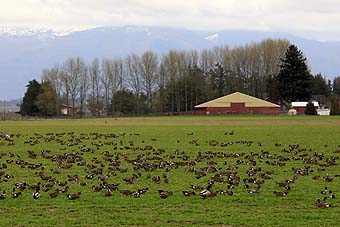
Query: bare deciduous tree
{"type": "Point", "coordinates": [54, 77]}
{"type": "Point", "coordinates": [94, 80]}
{"type": "Point", "coordinates": [118, 75]}
{"type": "Point", "coordinates": [134, 80]}
{"type": "Point", "coordinates": [83, 88]}
{"type": "Point", "coordinates": [107, 69]}
{"type": "Point", "coordinates": [148, 69]}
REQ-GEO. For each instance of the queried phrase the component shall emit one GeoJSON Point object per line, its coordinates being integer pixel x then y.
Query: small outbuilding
{"type": "Point", "coordinates": [300, 107]}
{"type": "Point", "coordinates": [237, 103]}
{"type": "Point", "coordinates": [68, 110]}
{"type": "Point", "coordinates": [323, 112]}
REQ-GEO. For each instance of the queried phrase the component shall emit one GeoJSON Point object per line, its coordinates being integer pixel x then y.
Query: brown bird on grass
{"type": "Point", "coordinates": [3, 195]}
{"type": "Point", "coordinates": [125, 192]}
{"type": "Point", "coordinates": [207, 192]}
{"type": "Point", "coordinates": [280, 194]}
{"type": "Point", "coordinates": [188, 193]}
{"type": "Point", "coordinates": [54, 194]}
{"type": "Point", "coordinates": [322, 204]}
{"type": "Point", "coordinates": [108, 193]}
{"type": "Point", "coordinates": [15, 194]}
{"type": "Point", "coordinates": [74, 196]}
{"type": "Point", "coordinates": [164, 194]}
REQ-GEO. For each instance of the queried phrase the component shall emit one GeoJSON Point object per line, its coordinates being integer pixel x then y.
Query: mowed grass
{"type": "Point", "coordinates": [263, 139]}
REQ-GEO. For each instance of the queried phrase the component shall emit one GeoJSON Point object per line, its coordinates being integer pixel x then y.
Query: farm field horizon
{"type": "Point", "coordinates": [262, 171]}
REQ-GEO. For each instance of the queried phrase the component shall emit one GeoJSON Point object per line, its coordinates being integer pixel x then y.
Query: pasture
{"type": "Point", "coordinates": [262, 171]}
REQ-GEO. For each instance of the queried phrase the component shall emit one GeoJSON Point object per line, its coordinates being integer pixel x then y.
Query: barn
{"type": "Point", "coordinates": [236, 103]}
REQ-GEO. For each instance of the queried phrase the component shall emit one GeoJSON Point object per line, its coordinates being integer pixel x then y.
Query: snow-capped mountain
{"type": "Point", "coordinates": [26, 52]}
{"type": "Point", "coordinates": [212, 38]}
{"type": "Point", "coordinates": [42, 35]}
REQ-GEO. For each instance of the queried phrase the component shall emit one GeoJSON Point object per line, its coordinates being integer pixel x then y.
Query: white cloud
{"type": "Point", "coordinates": [304, 16]}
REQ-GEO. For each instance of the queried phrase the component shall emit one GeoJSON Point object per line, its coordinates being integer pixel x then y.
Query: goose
{"type": "Point", "coordinates": [188, 193]}
{"type": "Point", "coordinates": [3, 195]}
{"type": "Point", "coordinates": [284, 183]}
{"type": "Point", "coordinates": [255, 190]}
{"type": "Point", "coordinates": [112, 186]}
{"type": "Point", "coordinates": [97, 188]}
{"type": "Point", "coordinates": [225, 192]}
{"type": "Point", "coordinates": [164, 194]}
{"type": "Point", "coordinates": [36, 194]}
{"type": "Point", "coordinates": [35, 186]}
{"type": "Point", "coordinates": [287, 187]}
{"type": "Point", "coordinates": [74, 196]}
{"type": "Point", "coordinates": [196, 187]}
{"type": "Point", "coordinates": [143, 190]}
{"type": "Point", "coordinates": [332, 195]}
{"type": "Point", "coordinates": [126, 192]}
{"type": "Point", "coordinates": [54, 194]}
{"type": "Point", "coordinates": [15, 194]}
{"type": "Point", "coordinates": [324, 191]}
{"type": "Point", "coordinates": [210, 184]}
{"type": "Point", "coordinates": [64, 190]}
{"type": "Point", "coordinates": [46, 187]}
{"type": "Point", "coordinates": [20, 185]}
{"type": "Point", "coordinates": [136, 194]}
{"type": "Point", "coordinates": [246, 185]}
{"type": "Point", "coordinates": [280, 194]}
{"type": "Point", "coordinates": [108, 193]}
{"type": "Point", "coordinates": [62, 183]}
{"type": "Point", "coordinates": [328, 178]}
{"type": "Point", "coordinates": [322, 204]}
{"type": "Point", "coordinates": [207, 192]}
{"type": "Point", "coordinates": [82, 183]}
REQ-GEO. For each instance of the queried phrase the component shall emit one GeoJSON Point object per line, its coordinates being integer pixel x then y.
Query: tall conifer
{"type": "Point", "coordinates": [294, 78]}
{"type": "Point", "coordinates": [29, 106]}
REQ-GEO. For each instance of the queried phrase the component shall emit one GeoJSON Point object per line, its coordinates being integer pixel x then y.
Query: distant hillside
{"type": "Point", "coordinates": [24, 54]}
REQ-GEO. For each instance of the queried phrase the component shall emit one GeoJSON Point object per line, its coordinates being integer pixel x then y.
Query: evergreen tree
{"type": "Point", "coordinates": [272, 87]}
{"type": "Point", "coordinates": [336, 85]}
{"type": "Point", "coordinates": [29, 106]}
{"type": "Point", "coordinates": [310, 109]}
{"type": "Point", "coordinates": [319, 86]}
{"type": "Point", "coordinates": [47, 99]}
{"type": "Point", "coordinates": [335, 106]}
{"type": "Point", "coordinates": [294, 79]}
{"type": "Point", "coordinates": [123, 102]}
{"type": "Point", "coordinates": [330, 87]}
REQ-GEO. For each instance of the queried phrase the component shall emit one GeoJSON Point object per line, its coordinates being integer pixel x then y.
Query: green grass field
{"type": "Point", "coordinates": [233, 152]}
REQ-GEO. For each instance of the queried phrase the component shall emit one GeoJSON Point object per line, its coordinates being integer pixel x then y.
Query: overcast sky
{"type": "Point", "coordinates": [311, 18]}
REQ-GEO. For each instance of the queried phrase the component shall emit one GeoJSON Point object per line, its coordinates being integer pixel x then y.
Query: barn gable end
{"type": "Point", "coordinates": [237, 103]}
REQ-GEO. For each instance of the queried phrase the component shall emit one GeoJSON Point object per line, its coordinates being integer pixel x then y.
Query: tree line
{"type": "Point", "coordinates": [173, 82]}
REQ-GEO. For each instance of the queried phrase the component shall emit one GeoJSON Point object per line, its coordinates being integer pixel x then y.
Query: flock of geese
{"type": "Point", "coordinates": [91, 161]}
